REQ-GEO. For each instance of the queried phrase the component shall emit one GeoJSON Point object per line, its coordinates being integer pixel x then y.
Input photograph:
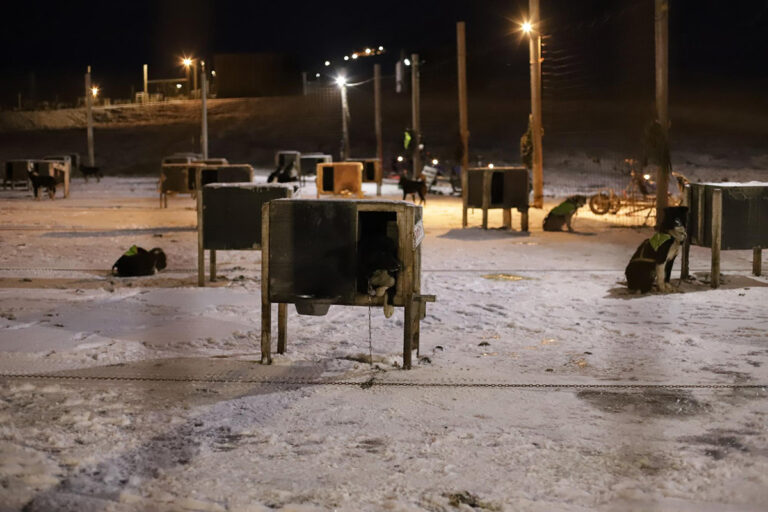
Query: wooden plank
{"type": "Point", "coordinates": [685, 257]}
{"type": "Point", "coordinates": [200, 250]}
{"type": "Point", "coordinates": [701, 199]}
{"type": "Point", "coordinates": [757, 261]}
{"type": "Point", "coordinates": [282, 327]}
{"type": "Point", "coordinates": [507, 218]}
{"type": "Point", "coordinates": [486, 196]}
{"type": "Point", "coordinates": [524, 221]}
{"type": "Point", "coordinates": [212, 254]}
{"type": "Point", "coordinates": [266, 306]}
{"type": "Point", "coordinates": [717, 235]}
{"type": "Point", "coordinates": [407, 286]}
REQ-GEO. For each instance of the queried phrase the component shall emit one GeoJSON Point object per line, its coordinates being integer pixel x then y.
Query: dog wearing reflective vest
{"type": "Point", "coordinates": [653, 260]}
{"type": "Point", "coordinates": [562, 214]}
{"type": "Point", "coordinates": [138, 261]}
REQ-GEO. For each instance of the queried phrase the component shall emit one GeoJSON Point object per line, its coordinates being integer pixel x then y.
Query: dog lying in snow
{"type": "Point", "coordinates": [562, 214]}
{"type": "Point", "coordinates": [42, 181]}
{"type": "Point", "coordinates": [653, 260]}
{"type": "Point", "coordinates": [137, 261]}
{"type": "Point", "coordinates": [413, 187]}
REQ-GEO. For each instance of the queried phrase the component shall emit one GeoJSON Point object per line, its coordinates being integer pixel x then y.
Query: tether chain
{"type": "Point", "coordinates": [384, 383]}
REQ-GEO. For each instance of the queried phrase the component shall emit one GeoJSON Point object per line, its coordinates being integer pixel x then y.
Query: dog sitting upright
{"type": "Point", "coordinates": [562, 214]}
{"type": "Point", "coordinates": [413, 187]}
{"type": "Point", "coordinates": [138, 261]}
{"type": "Point", "coordinates": [653, 260]}
{"type": "Point", "coordinates": [42, 181]}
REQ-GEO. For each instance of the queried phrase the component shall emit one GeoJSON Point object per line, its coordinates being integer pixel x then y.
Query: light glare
{"type": "Point", "coordinates": [527, 27]}
{"type": "Point", "coordinates": [341, 81]}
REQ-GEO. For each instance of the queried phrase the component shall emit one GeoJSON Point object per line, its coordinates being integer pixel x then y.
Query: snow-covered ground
{"type": "Point", "coordinates": [164, 411]}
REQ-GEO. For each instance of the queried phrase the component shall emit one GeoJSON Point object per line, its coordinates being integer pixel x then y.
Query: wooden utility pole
{"type": "Point", "coordinates": [415, 116]}
{"type": "Point", "coordinates": [661, 38]}
{"type": "Point", "coordinates": [461, 58]}
{"type": "Point", "coordinates": [377, 113]}
{"type": "Point", "coordinates": [146, 83]}
{"type": "Point", "coordinates": [204, 123]}
{"type": "Point", "coordinates": [536, 127]}
{"type": "Point", "coordinates": [89, 116]}
{"type": "Point", "coordinates": [344, 123]}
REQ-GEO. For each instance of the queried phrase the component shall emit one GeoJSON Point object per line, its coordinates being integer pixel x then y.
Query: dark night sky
{"type": "Point", "coordinates": [721, 42]}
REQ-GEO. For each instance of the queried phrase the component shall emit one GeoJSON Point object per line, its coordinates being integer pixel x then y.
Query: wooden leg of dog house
{"type": "Point", "coordinates": [757, 261]}
{"type": "Point", "coordinates": [717, 235]}
{"type": "Point", "coordinates": [282, 327]}
{"type": "Point", "coordinates": [408, 331]}
{"type": "Point", "coordinates": [507, 219]}
{"type": "Point", "coordinates": [486, 197]}
{"type": "Point", "coordinates": [266, 332]}
{"type": "Point", "coordinates": [212, 255]}
{"type": "Point", "coordinates": [266, 306]}
{"type": "Point", "coordinates": [524, 221]}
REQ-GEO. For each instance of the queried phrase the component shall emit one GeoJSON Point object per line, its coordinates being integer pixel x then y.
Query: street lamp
{"type": "Point", "coordinates": [341, 81]}
{"type": "Point", "coordinates": [188, 62]}
{"type": "Point", "coordinates": [94, 91]}
{"type": "Point", "coordinates": [534, 35]}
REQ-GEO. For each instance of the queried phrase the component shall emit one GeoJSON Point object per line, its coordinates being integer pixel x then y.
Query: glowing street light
{"type": "Point", "coordinates": [490, 166]}
{"type": "Point", "coordinates": [327, 63]}
{"type": "Point", "coordinates": [341, 81]}
{"type": "Point", "coordinates": [526, 27]}
{"type": "Point", "coordinates": [399, 158]}
{"type": "Point", "coordinates": [186, 61]}
{"type": "Point", "coordinates": [346, 57]}
{"type": "Point", "coordinates": [354, 56]}
{"type": "Point", "coordinates": [434, 161]}
{"type": "Point", "coordinates": [94, 91]}
{"type": "Point", "coordinates": [407, 62]}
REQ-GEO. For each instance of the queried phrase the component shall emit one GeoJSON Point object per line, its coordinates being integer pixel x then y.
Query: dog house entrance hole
{"type": "Point", "coordinates": [327, 178]}
{"type": "Point", "coordinates": [497, 188]}
{"type": "Point", "coordinates": [377, 245]}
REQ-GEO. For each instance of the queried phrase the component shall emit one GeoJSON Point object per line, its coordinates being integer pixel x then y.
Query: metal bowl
{"type": "Point", "coordinates": [314, 306]}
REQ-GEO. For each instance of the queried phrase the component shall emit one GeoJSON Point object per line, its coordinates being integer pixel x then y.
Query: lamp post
{"type": "Point", "coordinates": [341, 81]}
{"type": "Point", "coordinates": [531, 28]}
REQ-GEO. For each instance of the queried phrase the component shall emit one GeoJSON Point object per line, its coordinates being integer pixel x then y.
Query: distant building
{"type": "Point", "coordinates": [256, 74]}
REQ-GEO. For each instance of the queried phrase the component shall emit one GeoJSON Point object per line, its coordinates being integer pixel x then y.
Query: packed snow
{"type": "Point", "coordinates": [152, 400]}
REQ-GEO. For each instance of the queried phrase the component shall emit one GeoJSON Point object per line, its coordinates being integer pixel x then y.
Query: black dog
{"type": "Point", "coordinates": [414, 187]}
{"type": "Point", "coordinates": [284, 174]}
{"type": "Point", "coordinates": [91, 171]}
{"type": "Point", "coordinates": [562, 214]}
{"type": "Point", "coordinates": [137, 261]}
{"type": "Point", "coordinates": [42, 181]}
{"type": "Point", "coordinates": [653, 260]}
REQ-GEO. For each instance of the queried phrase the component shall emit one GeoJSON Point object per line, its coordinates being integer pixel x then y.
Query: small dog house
{"type": "Point", "coordinates": [61, 169]}
{"type": "Point", "coordinates": [16, 173]}
{"type": "Point", "coordinates": [498, 187]}
{"type": "Point", "coordinates": [309, 161]}
{"type": "Point", "coordinates": [371, 171]}
{"type": "Point", "coordinates": [340, 178]}
{"type": "Point", "coordinates": [727, 216]}
{"type": "Point", "coordinates": [182, 178]}
{"type": "Point", "coordinates": [286, 156]}
{"type": "Point", "coordinates": [230, 219]}
{"type": "Point", "coordinates": [321, 253]}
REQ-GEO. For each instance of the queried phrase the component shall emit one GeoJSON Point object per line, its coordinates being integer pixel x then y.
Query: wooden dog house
{"type": "Point", "coordinates": [727, 216]}
{"type": "Point", "coordinates": [313, 253]}
{"type": "Point", "coordinates": [372, 172]}
{"type": "Point", "coordinates": [340, 179]}
{"type": "Point", "coordinates": [229, 219]}
{"type": "Point", "coordinates": [498, 187]}
{"type": "Point", "coordinates": [182, 178]}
